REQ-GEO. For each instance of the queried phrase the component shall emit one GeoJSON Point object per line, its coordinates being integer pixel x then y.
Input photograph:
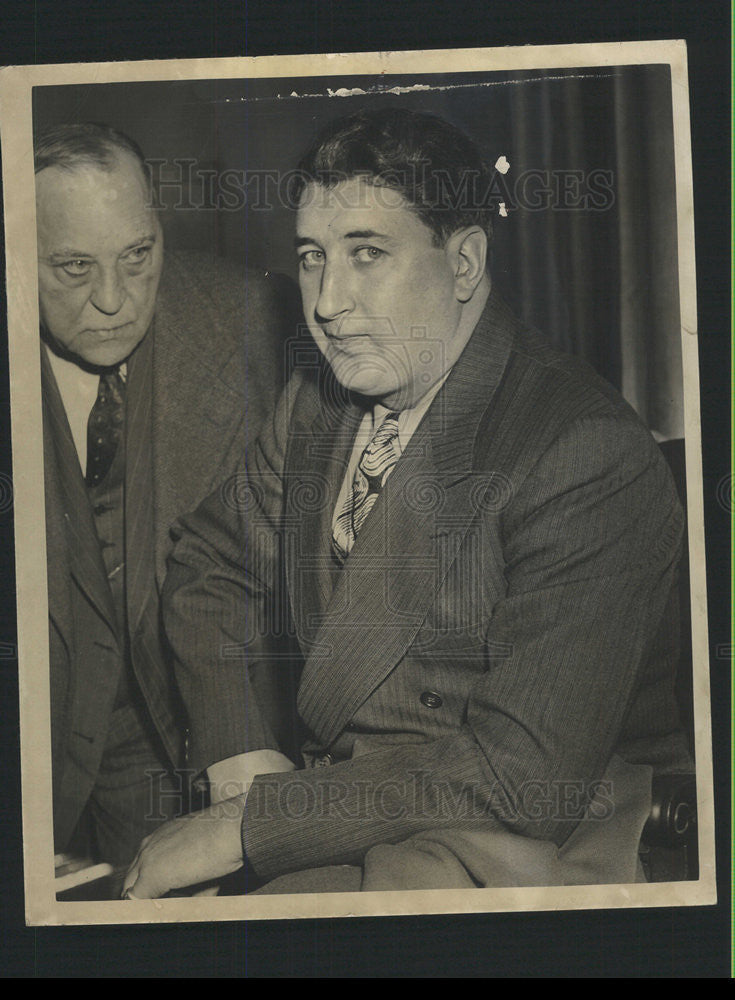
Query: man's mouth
{"type": "Point", "coordinates": [342, 335]}
{"type": "Point", "coordinates": [107, 331]}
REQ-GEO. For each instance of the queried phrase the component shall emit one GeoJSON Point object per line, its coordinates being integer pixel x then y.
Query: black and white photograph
{"type": "Point", "coordinates": [360, 559]}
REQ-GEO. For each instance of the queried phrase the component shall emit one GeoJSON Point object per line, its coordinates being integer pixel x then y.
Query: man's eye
{"type": "Point", "coordinates": [138, 254]}
{"type": "Point", "coordinates": [311, 259]}
{"type": "Point", "coordinates": [76, 268]}
{"type": "Point", "coordinates": [367, 255]}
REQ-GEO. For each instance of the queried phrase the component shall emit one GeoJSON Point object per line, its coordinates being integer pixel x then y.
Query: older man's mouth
{"type": "Point", "coordinates": [106, 331]}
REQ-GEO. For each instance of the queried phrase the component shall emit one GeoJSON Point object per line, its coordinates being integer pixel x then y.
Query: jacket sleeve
{"type": "Point", "coordinates": [590, 542]}
{"type": "Point", "coordinates": [216, 600]}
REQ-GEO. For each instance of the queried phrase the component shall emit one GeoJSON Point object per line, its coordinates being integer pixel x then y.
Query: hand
{"type": "Point", "coordinates": [197, 848]}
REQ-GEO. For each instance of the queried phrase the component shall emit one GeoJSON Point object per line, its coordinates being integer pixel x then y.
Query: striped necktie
{"type": "Point", "coordinates": [374, 467]}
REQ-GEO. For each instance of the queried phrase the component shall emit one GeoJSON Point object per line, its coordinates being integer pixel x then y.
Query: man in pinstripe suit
{"type": "Point", "coordinates": [144, 370]}
{"type": "Point", "coordinates": [488, 653]}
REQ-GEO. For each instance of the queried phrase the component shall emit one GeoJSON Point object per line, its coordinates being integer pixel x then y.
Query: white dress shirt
{"type": "Point", "coordinates": [78, 390]}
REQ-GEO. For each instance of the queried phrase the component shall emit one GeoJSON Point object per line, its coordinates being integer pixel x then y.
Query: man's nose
{"type": "Point", "coordinates": [108, 292]}
{"type": "Point", "coordinates": [335, 295]}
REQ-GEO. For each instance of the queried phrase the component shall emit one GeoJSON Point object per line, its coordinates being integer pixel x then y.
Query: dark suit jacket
{"type": "Point", "coordinates": [498, 640]}
{"type": "Point", "coordinates": [199, 386]}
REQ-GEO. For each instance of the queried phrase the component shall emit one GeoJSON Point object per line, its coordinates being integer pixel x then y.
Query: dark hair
{"type": "Point", "coordinates": [434, 165]}
{"type": "Point", "coordinates": [85, 143]}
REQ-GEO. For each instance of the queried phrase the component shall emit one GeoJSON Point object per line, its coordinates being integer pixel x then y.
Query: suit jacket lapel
{"type": "Point", "coordinates": [406, 546]}
{"type": "Point", "coordinates": [67, 503]}
{"type": "Point", "coordinates": [139, 545]}
{"type": "Point", "coordinates": [319, 452]}
{"type": "Point", "coordinates": [57, 542]}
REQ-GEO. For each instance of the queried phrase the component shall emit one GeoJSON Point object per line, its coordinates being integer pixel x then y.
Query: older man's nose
{"type": "Point", "coordinates": [108, 293]}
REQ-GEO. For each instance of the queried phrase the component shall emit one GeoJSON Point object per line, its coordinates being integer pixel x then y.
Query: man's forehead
{"type": "Point", "coordinates": [121, 169]}
{"type": "Point", "coordinates": [64, 193]}
{"type": "Point", "coordinates": [87, 201]}
{"type": "Point", "coordinates": [354, 205]}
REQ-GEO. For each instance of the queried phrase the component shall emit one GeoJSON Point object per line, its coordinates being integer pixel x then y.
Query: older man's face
{"type": "Point", "coordinates": [100, 252]}
{"type": "Point", "coordinates": [379, 295]}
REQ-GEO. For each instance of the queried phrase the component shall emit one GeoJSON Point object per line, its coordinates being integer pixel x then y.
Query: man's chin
{"type": "Point", "coordinates": [108, 358]}
{"type": "Point", "coordinates": [96, 350]}
{"type": "Point", "coordinates": [361, 376]}
{"type": "Point", "coordinates": [375, 387]}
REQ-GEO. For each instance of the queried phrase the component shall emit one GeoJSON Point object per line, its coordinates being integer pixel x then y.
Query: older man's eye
{"type": "Point", "coordinates": [76, 268]}
{"type": "Point", "coordinates": [138, 255]}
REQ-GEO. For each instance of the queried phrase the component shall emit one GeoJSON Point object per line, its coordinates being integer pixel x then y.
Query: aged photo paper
{"type": "Point", "coordinates": [593, 245]}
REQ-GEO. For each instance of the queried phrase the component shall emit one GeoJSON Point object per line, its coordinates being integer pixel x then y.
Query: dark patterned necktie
{"type": "Point", "coordinates": [105, 426]}
{"type": "Point", "coordinates": [374, 467]}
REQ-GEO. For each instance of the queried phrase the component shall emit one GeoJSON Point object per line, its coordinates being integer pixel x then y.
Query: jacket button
{"type": "Point", "coordinates": [324, 761]}
{"type": "Point", "coordinates": [431, 699]}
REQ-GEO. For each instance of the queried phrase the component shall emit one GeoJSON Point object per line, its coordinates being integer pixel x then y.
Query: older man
{"type": "Point", "coordinates": [155, 375]}
{"type": "Point", "coordinates": [479, 541]}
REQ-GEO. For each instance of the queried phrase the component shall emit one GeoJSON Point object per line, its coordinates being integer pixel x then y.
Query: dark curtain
{"type": "Point", "coordinates": [597, 268]}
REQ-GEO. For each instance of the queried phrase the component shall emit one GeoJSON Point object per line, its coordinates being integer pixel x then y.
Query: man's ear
{"type": "Point", "coordinates": [468, 252]}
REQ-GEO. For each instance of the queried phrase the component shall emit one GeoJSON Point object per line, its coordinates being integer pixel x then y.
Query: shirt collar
{"type": "Point", "coordinates": [409, 419]}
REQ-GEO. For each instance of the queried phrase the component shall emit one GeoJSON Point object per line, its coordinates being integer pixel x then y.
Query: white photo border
{"type": "Point", "coordinates": [16, 86]}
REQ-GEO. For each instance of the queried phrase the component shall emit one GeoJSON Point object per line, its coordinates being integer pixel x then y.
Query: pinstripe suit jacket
{"type": "Point", "coordinates": [499, 640]}
{"type": "Point", "coordinates": [198, 387]}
